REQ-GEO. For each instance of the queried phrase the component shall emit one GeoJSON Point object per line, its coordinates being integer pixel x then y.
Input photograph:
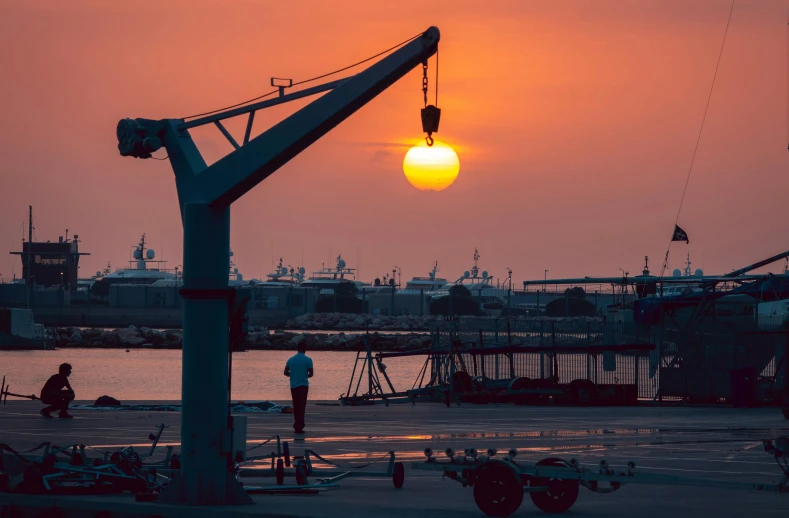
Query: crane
{"type": "Point", "coordinates": [205, 194]}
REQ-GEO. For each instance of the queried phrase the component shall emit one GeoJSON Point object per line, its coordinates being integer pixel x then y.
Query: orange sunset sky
{"type": "Point", "coordinates": [574, 121]}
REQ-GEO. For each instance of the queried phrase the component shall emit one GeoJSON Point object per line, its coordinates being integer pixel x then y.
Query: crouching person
{"type": "Point", "coordinates": [57, 393]}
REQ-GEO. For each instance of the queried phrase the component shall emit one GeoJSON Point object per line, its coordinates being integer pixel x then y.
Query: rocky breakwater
{"type": "Point", "coordinates": [126, 337]}
{"type": "Point", "coordinates": [284, 340]}
{"type": "Point", "coordinates": [257, 339]}
{"type": "Point", "coordinates": [354, 322]}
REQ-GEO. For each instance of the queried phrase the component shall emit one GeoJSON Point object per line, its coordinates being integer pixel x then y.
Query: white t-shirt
{"type": "Point", "coordinates": [298, 365]}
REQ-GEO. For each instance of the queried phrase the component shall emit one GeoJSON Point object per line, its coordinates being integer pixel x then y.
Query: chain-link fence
{"type": "Point", "coordinates": [665, 361]}
{"type": "Point", "coordinates": [565, 349]}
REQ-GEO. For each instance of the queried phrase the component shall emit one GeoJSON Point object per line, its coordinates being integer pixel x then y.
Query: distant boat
{"type": "Point", "coordinates": [284, 276]}
{"type": "Point", "coordinates": [327, 280]}
{"type": "Point", "coordinates": [478, 282]}
{"type": "Point", "coordinates": [419, 285]}
{"type": "Point", "coordinates": [18, 331]}
{"type": "Point", "coordinates": [144, 268]}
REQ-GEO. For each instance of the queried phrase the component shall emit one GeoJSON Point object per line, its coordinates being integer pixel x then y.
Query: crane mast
{"type": "Point", "coordinates": [205, 194]}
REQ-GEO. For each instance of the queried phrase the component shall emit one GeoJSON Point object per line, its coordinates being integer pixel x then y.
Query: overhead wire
{"type": "Point", "coordinates": [436, 77]}
{"type": "Point", "coordinates": [305, 80]}
{"type": "Point", "coordinates": [701, 130]}
{"type": "Point", "coordinates": [359, 62]}
{"type": "Point", "coordinates": [231, 106]}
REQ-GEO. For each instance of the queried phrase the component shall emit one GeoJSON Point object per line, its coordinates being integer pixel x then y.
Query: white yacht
{"type": "Point", "coordinates": [284, 276]}
{"type": "Point", "coordinates": [480, 284]}
{"type": "Point", "coordinates": [427, 284]}
{"type": "Point", "coordinates": [329, 279]}
{"type": "Point", "coordinates": [144, 268]}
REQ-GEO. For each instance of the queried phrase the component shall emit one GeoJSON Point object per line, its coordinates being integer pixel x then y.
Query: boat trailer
{"type": "Point", "coordinates": [553, 483]}
{"type": "Point", "coordinates": [301, 467]}
{"type": "Point", "coordinates": [68, 470]}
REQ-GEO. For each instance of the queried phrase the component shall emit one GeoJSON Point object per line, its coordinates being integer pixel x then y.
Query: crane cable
{"type": "Point", "coordinates": [698, 139]}
{"type": "Point", "coordinates": [306, 80]}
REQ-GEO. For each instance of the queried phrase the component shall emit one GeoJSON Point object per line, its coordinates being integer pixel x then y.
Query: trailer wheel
{"type": "Point", "coordinates": [301, 474]}
{"type": "Point", "coordinates": [461, 382]}
{"type": "Point", "coordinates": [398, 475]}
{"type": "Point", "coordinates": [582, 391]}
{"type": "Point", "coordinates": [280, 472]}
{"type": "Point", "coordinates": [498, 491]}
{"type": "Point", "coordinates": [561, 494]}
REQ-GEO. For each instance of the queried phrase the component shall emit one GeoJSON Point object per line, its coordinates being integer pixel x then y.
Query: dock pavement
{"type": "Point", "coordinates": [709, 442]}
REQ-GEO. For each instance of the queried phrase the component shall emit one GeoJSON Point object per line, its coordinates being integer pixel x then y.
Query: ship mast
{"type": "Point", "coordinates": [29, 252]}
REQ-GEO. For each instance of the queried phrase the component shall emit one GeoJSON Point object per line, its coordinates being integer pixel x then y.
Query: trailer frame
{"type": "Point", "coordinates": [553, 483]}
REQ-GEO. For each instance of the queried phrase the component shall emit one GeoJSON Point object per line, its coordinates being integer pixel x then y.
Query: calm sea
{"type": "Point", "coordinates": [156, 375]}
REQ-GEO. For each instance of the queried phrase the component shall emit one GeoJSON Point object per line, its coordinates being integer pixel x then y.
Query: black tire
{"type": "Point", "coordinates": [286, 453]}
{"type": "Point", "coordinates": [561, 494]}
{"type": "Point", "coordinates": [786, 412]}
{"type": "Point", "coordinates": [498, 490]}
{"type": "Point", "coordinates": [582, 392]}
{"type": "Point", "coordinates": [301, 474]}
{"type": "Point", "coordinates": [280, 472]}
{"type": "Point", "coordinates": [398, 475]}
{"type": "Point", "coordinates": [462, 383]}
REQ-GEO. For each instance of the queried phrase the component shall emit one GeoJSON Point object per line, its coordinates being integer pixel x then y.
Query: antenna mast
{"type": "Point", "coordinates": [29, 252]}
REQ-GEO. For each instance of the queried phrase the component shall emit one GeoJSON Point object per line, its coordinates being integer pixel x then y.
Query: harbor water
{"type": "Point", "coordinates": [156, 374]}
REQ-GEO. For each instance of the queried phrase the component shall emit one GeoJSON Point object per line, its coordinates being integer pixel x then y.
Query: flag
{"type": "Point", "coordinates": [680, 235]}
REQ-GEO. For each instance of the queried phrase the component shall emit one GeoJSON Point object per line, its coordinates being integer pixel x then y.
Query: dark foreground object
{"type": "Point", "coordinates": [553, 483]}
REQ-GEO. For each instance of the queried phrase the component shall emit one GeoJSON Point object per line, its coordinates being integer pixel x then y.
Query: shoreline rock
{"type": "Point", "coordinates": [259, 338]}
{"type": "Point", "coordinates": [354, 322]}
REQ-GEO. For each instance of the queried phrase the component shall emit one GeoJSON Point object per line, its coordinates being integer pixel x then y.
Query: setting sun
{"type": "Point", "coordinates": [431, 168]}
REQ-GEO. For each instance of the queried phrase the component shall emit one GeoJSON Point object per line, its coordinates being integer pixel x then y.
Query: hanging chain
{"type": "Point", "coordinates": [424, 80]}
{"type": "Point", "coordinates": [430, 113]}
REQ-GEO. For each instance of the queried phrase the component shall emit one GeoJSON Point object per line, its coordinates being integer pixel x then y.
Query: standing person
{"type": "Point", "coordinates": [299, 369]}
{"type": "Point", "coordinates": [55, 395]}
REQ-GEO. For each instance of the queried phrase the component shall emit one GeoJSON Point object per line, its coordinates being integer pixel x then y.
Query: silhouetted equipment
{"type": "Point", "coordinates": [4, 393]}
{"type": "Point", "coordinates": [553, 483]}
{"type": "Point", "coordinates": [483, 371]}
{"type": "Point", "coordinates": [302, 467]}
{"type": "Point", "coordinates": [70, 471]}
